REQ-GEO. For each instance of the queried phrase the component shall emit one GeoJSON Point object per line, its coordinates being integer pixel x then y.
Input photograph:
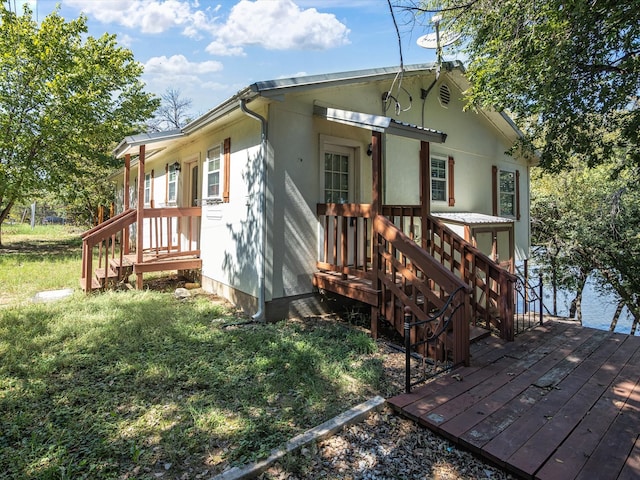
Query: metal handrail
{"type": "Point", "coordinates": [432, 338]}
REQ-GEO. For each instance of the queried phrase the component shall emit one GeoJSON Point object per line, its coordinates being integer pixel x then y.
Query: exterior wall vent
{"type": "Point", "coordinates": [445, 95]}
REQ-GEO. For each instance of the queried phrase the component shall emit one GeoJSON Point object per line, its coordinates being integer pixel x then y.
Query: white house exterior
{"type": "Point", "coordinates": [259, 163]}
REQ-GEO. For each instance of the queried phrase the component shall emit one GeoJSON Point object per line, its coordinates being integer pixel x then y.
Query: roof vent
{"type": "Point", "coordinates": [445, 95]}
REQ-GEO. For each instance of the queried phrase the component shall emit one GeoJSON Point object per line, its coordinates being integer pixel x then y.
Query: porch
{"type": "Point", "coordinates": [166, 239]}
{"type": "Point", "coordinates": [560, 402]}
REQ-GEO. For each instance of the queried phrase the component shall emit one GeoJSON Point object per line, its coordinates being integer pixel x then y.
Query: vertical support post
{"type": "Point", "coordinates": [425, 192]}
{"type": "Point", "coordinates": [376, 202]}
{"type": "Point", "coordinates": [407, 349]}
{"type": "Point", "coordinates": [540, 296]}
{"type": "Point", "coordinates": [125, 200]}
{"type": "Point", "coordinates": [140, 215]}
{"type": "Point", "coordinates": [526, 286]}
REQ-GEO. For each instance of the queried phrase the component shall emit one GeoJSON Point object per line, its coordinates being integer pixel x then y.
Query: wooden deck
{"type": "Point", "coordinates": [561, 402]}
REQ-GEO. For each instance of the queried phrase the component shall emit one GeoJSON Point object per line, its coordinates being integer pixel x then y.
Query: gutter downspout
{"type": "Point", "coordinates": [260, 314]}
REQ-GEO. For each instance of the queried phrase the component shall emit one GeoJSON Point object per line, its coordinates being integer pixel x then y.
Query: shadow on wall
{"type": "Point", "coordinates": [241, 263]}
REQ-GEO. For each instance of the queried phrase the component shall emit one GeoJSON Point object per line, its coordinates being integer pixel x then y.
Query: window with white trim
{"type": "Point", "coordinates": [337, 180]}
{"type": "Point", "coordinates": [507, 192]}
{"type": "Point", "coordinates": [147, 188]}
{"type": "Point", "coordinates": [438, 178]}
{"type": "Point", "coordinates": [172, 184]}
{"type": "Point", "coordinates": [213, 172]}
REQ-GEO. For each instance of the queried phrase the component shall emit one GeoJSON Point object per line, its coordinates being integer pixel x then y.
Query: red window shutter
{"type": "Point", "coordinates": [227, 170]}
{"type": "Point", "coordinates": [517, 194]}
{"type": "Point", "coordinates": [452, 197]}
{"type": "Point", "coordinates": [494, 189]}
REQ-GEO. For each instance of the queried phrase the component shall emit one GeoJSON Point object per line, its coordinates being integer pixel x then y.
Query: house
{"type": "Point", "coordinates": [335, 183]}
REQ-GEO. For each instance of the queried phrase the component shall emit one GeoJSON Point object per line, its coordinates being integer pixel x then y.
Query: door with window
{"type": "Point", "coordinates": [338, 174]}
{"type": "Point", "coordinates": [339, 186]}
{"type": "Point", "coordinates": [191, 198]}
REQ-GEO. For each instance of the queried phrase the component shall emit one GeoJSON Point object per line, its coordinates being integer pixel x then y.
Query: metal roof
{"type": "Point", "coordinates": [154, 140]}
{"type": "Point", "coordinates": [379, 123]}
{"type": "Point", "coordinates": [471, 218]}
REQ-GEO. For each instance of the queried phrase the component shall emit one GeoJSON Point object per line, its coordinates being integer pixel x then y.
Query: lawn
{"type": "Point", "coordinates": [140, 384]}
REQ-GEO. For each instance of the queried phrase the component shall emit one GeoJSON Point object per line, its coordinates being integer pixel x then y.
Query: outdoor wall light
{"type": "Point", "coordinates": [176, 166]}
{"type": "Point", "coordinates": [370, 150]}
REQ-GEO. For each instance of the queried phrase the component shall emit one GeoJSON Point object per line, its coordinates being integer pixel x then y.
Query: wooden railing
{"type": "Point", "coordinates": [412, 281]}
{"type": "Point", "coordinates": [167, 232]}
{"type": "Point", "coordinates": [348, 249]}
{"type": "Point", "coordinates": [347, 245]}
{"type": "Point", "coordinates": [492, 294]}
{"type": "Point", "coordinates": [107, 236]}
{"type": "Point", "coordinates": [172, 231]}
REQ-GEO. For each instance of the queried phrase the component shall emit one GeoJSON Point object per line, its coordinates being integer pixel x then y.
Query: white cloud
{"type": "Point", "coordinates": [271, 24]}
{"type": "Point", "coordinates": [178, 65]}
{"type": "Point", "coordinates": [277, 25]}
{"type": "Point", "coordinates": [148, 16]}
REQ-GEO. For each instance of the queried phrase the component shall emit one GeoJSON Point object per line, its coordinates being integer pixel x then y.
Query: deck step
{"type": "Point", "coordinates": [95, 284]}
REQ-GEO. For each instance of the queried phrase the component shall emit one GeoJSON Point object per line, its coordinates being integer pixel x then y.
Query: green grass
{"type": "Point", "coordinates": [134, 384]}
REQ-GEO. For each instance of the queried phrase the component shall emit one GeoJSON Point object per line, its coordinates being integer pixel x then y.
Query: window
{"type": "Point", "coordinates": [506, 192]}
{"type": "Point", "coordinates": [213, 172]}
{"type": "Point", "coordinates": [172, 184]}
{"type": "Point", "coordinates": [147, 188]}
{"type": "Point", "coordinates": [438, 179]}
{"type": "Point", "coordinates": [336, 177]}
{"type": "Point", "coordinates": [507, 186]}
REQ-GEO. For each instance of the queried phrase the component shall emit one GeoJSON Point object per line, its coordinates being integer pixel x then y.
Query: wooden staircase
{"type": "Point", "coordinates": [107, 245]}
{"type": "Point", "coordinates": [443, 285]}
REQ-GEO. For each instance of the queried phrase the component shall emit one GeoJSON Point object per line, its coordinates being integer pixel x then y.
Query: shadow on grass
{"type": "Point", "coordinates": [128, 385]}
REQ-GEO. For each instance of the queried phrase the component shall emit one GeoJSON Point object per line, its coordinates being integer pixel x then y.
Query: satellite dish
{"type": "Point", "coordinates": [436, 40]}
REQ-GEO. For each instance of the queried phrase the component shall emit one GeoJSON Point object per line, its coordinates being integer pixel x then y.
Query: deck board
{"type": "Point", "coordinates": [561, 402]}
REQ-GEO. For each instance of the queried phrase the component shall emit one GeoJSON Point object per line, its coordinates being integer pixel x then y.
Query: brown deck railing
{"type": "Point", "coordinates": [347, 239]}
{"type": "Point", "coordinates": [412, 282]}
{"type": "Point", "coordinates": [348, 249]}
{"type": "Point", "coordinates": [158, 231]}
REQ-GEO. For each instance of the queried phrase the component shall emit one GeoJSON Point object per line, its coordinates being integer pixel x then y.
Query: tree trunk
{"type": "Point", "coordinates": [575, 310]}
{"type": "Point", "coordinates": [3, 215]}
{"type": "Point", "coordinates": [616, 316]}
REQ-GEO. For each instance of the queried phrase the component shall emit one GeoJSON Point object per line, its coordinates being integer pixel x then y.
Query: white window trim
{"type": "Point", "coordinates": [513, 193]}
{"type": "Point", "coordinates": [328, 141]}
{"type": "Point", "coordinates": [172, 201]}
{"type": "Point", "coordinates": [147, 189]}
{"type": "Point", "coordinates": [213, 199]}
{"type": "Point", "coordinates": [445, 159]}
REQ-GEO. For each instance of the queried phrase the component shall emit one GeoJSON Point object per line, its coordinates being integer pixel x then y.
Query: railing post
{"type": "Point", "coordinates": [540, 296]}
{"type": "Point", "coordinates": [407, 349]}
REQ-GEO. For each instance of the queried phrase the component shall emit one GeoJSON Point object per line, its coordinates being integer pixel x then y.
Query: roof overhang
{"type": "Point", "coordinates": [154, 142]}
{"type": "Point", "coordinates": [379, 123]}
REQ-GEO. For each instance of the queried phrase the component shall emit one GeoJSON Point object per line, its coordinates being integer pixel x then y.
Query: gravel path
{"type": "Point", "coordinates": [385, 446]}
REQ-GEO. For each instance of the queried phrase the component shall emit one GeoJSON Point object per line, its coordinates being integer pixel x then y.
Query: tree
{"type": "Point", "coordinates": [65, 100]}
{"type": "Point", "coordinates": [585, 221]}
{"type": "Point", "coordinates": [562, 69]}
{"type": "Point", "coordinates": [173, 112]}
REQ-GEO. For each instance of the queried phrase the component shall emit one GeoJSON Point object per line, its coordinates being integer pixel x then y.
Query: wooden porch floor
{"type": "Point", "coordinates": [560, 402]}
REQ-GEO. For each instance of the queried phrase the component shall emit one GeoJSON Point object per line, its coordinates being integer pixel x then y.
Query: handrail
{"type": "Point", "coordinates": [166, 224]}
{"type": "Point", "coordinates": [418, 284]}
{"type": "Point", "coordinates": [106, 223]}
{"type": "Point", "coordinates": [109, 227]}
{"type": "Point", "coordinates": [492, 298]}
{"type": "Point", "coordinates": [434, 334]}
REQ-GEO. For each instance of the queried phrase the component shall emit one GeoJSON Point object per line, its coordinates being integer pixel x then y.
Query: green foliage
{"type": "Point", "coordinates": [568, 72]}
{"type": "Point", "coordinates": [587, 221]}
{"type": "Point", "coordinates": [65, 99]}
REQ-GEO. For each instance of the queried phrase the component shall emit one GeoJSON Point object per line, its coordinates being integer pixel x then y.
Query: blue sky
{"type": "Point", "coordinates": [211, 49]}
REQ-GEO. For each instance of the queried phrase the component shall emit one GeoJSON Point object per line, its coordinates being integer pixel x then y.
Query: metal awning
{"type": "Point", "coordinates": [471, 218]}
{"type": "Point", "coordinates": [379, 123]}
{"type": "Point", "coordinates": [153, 141]}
